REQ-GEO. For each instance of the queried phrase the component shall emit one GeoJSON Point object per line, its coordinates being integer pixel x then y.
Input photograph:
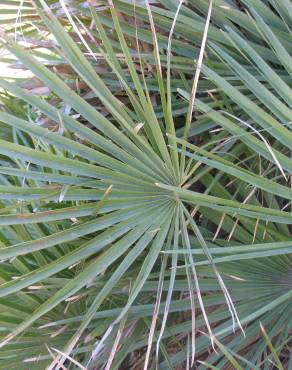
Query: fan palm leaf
{"type": "Point", "coordinates": [105, 225]}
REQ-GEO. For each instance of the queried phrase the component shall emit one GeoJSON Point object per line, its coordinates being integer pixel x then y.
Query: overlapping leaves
{"type": "Point", "coordinates": [101, 229]}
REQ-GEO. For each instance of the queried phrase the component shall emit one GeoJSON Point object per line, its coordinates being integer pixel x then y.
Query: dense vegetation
{"type": "Point", "coordinates": [146, 185]}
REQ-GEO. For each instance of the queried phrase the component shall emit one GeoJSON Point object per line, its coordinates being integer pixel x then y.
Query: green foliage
{"type": "Point", "coordinates": [125, 242]}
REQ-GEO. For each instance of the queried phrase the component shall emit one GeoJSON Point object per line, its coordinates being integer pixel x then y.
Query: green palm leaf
{"type": "Point", "coordinates": [92, 209]}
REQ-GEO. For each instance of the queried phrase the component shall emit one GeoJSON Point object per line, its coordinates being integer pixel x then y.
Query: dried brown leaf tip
{"type": "Point", "coordinates": [138, 127]}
